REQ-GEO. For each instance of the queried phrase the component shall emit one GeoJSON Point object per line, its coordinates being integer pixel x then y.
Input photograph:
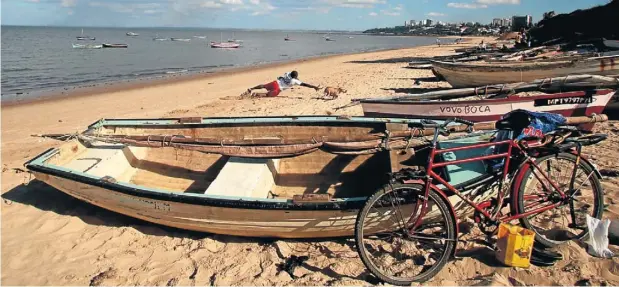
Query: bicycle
{"type": "Point", "coordinates": [415, 217]}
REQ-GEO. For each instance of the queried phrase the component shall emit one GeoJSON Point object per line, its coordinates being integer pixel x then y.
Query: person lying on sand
{"type": "Point", "coordinates": [287, 81]}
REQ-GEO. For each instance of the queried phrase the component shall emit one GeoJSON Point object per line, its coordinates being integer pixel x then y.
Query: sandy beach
{"type": "Point", "coordinates": [50, 238]}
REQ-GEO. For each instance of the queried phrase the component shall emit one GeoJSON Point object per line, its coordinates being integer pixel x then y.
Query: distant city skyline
{"type": "Point", "coordinates": [272, 14]}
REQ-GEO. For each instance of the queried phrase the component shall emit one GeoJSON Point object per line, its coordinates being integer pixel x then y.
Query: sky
{"type": "Point", "coordinates": [353, 15]}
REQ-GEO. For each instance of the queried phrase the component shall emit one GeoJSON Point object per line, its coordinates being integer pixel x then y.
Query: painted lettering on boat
{"type": "Point", "coordinates": [564, 101]}
{"type": "Point", "coordinates": [145, 202]}
{"type": "Point", "coordinates": [466, 109]}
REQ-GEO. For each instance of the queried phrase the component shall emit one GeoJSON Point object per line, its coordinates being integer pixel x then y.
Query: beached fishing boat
{"type": "Point", "coordinates": [105, 45]}
{"type": "Point", "coordinates": [180, 39]}
{"type": "Point", "coordinates": [582, 95]}
{"type": "Point", "coordinates": [461, 75]}
{"type": "Point", "coordinates": [291, 177]}
{"type": "Point", "coordinates": [132, 34]}
{"type": "Point", "coordinates": [569, 104]}
{"type": "Point", "coordinates": [267, 177]}
{"type": "Point", "coordinates": [88, 46]}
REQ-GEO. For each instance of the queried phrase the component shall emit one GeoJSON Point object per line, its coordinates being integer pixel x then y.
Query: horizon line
{"type": "Point", "coordinates": [177, 27]}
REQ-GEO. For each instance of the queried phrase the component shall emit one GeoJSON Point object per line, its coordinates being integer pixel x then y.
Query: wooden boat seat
{"type": "Point", "coordinates": [245, 177]}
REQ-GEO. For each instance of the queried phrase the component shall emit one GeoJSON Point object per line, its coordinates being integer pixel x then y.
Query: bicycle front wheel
{"type": "Point", "coordinates": [568, 220]}
{"type": "Point", "coordinates": [397, 241]}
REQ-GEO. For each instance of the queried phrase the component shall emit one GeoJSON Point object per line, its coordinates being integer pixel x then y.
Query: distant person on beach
{"type": "Point", "coordinates": [438, 42]}
{"type": "Point", "coordinates": [287, 81]}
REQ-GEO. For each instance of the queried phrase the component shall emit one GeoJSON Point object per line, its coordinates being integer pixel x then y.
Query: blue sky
{"type": "Point", "coordinates": [272, 14]}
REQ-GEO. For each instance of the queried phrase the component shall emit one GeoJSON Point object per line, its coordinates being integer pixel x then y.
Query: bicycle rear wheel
{"type": "Point", "coordinates": [555, 226]}
{"type": "Point", "coordinates": [389, 250]}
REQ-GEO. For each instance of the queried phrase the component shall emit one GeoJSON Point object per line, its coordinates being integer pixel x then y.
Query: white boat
{"type": "Point", "coordinates": [233, 40]}
{"type": "Point", "coordinates": [157, 38]}
{"type": "Point", "coordinates": [200, 37]}
{"type": "Point", "coordinates": [461, 75]}
{"type": "Point", "coordinates": [132, 34]}
{"type": "Point", "coordinates": [84, 37]}
{"type": "Point", "coordinates": [87, 46]}
{"type": "Point", "coordinates": [225, 45]}
{"type": "Point", "coordinates": [180, 39]}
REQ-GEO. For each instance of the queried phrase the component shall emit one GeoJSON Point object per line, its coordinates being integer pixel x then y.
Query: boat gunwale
{"type": "Point", "coordinates": [211, 121]}
{"type": "Point", "coordinates": [506, 100]}
{"type": "Point", "coordinates": [518, 66]}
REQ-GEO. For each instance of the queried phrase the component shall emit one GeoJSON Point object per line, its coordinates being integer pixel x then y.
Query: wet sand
{"type": "Point", "coordinates": [50, 238]}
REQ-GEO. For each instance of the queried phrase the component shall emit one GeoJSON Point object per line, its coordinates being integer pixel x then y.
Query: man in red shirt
{"type": "Point", "coordinates": [282, 83]}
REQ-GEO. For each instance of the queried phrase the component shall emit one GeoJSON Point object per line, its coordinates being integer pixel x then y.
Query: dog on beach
{"type": "Point", "coordinates": [333, 93]}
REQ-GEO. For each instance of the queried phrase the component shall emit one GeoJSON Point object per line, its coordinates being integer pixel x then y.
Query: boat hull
{"type": "Point", "coordinates": [222, 216]}
{"type": "Point", "coordinates": [460, 75]}
{"type": "Point", "coordinates": [568, 104]}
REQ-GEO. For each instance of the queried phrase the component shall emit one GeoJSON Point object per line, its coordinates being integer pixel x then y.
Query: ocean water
{"type": "Point", "coordinates": [39, 60]}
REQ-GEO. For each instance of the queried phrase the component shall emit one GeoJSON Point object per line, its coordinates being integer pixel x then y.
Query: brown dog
{"type": "Point", "coordinates": [333, 92]}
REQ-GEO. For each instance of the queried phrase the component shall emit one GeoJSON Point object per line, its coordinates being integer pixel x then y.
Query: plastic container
{"type": "Point", "coordinates": [514, 245]}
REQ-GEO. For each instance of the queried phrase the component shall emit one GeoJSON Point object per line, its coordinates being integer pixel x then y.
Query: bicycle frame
{"type": "Point", "coordinates": [512, 145]}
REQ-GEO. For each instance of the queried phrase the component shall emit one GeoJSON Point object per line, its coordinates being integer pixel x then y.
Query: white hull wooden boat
{"type": "Point", "coordinates": [475, 75]}
{"type": "Point", "coordinates": [180, 39]}
{"type": "Point", "coordinates": [132, 34]}
{"type": "Point", "coordinates": [579, 103]}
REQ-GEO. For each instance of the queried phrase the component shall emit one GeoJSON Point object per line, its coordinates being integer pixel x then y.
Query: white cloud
{"type": "Point", "coordinates": [492, 2]}
{"type": "Point", "coordinates": [436, 14]}
{"type": "Point", "coordinates": [232, 2]}
{"type": "Point", "coordinates": [373, 14]}
{"type": "Point", "coordinates": [466, 5]}
{"type": "Point", "coordinates": [68, 3]}
{"type": "Point", "coordinates": [323, 10]}
{"type": "Point", "coordinates": [354, 3]}
{"type": "Point", "coordinates": [390, 13]}
{"type": "Point", "coordinates": [211, 4]}
{"type": "Point", "coordinates": [399, 8]}
{"type": "Point", "coordinates": [70, 12]}
{"type": "Point", "coordinates": [255, 2]}
{"type": "Point", "coordinates": [125, 8]}
{"type": "Point", "coordinates": [33, 1]}
{"type": "Point", "coordinates": [151, 11]}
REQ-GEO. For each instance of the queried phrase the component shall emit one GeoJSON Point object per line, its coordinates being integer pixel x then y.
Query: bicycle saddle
{"type": "Point", "coordinates": [514, 121]}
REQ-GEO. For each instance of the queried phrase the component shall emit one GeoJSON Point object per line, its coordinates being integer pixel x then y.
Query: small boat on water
{"type": "Point", "coordinates": [157, 38]}
{"type": "Point", "coordinates": [225, 45]}
{"type": "Point", "coordinates": [583, 95]}
{"type": "Point", "coordinates": [132, 34]}
{"type": "Point", "coordinates": [233, 40]}
{"type": "Point", "coordinates": [329, 39]}
{"type": "Point", "coordinates": [461, 75]}
{"type": "Point", "coordinates": [180, 39]}
{"type": "Point", "coordinates": [288, 38]}
{"type": "Point", "coordinates": [106, 45]}
{"type": "Point", "coordinates": [200, 37]}
{"type": "Point", "coordinates": [87, 46]}
{"type": "Point", "coordinates": [83, 37]}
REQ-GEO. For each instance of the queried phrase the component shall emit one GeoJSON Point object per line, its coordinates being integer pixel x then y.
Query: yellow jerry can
{"type": "Point", "coordinates": [514, 245]}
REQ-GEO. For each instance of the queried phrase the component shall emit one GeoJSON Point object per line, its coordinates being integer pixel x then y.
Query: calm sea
{"type": "Point", "coordinates": [38, 60]}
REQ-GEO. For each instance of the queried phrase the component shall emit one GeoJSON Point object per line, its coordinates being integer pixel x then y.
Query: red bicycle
{"type": "Point", "coordinates": [408, 230]}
